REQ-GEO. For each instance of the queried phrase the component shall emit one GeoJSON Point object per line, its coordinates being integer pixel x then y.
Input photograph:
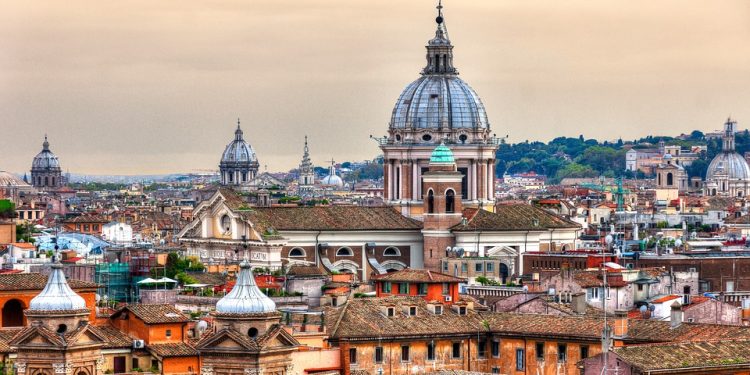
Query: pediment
{"type": "Point", "coordinates": [502, 251]}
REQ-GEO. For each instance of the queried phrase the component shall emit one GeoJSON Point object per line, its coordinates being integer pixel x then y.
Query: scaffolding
{"type": "Point", "coordinates": [114, 281]}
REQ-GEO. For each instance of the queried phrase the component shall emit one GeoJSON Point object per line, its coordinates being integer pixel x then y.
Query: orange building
{"type": "Point", "coordinates": [87, 224]}
{"type": "Point", "coordinates": [163, 331]}
{"type": "Point", "coordinates": [17, 290]}
{"type": "Point", "coordinates": [430, 285]}
{"type": "Point", "coordinates": [401, 335]}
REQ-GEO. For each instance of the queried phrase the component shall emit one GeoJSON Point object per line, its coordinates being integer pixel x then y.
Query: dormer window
{"type": "Point", "coordinates": [390, 311]}
{"type": "Point", "coordinates": [438, 310]}
{"type": "Point", "coordinates": [412, 311]}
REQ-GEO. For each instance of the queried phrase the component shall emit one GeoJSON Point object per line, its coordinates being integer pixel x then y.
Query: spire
{"type": "Point", "coordinates": [306, 150]}
{"type": "Point", "coordinates": [439, 48]}
{"type": "Point", "coordinates": [245, 297]}
{"type": "Point", "coordinates": [57, 294]}
{"type": "Point", "coordinates": [45, 145]}
{"type": "Point", "coordinates": [238, 132]}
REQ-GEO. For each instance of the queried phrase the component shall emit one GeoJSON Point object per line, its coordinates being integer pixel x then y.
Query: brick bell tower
{"type": "Point", "coordinates": [442, 205]}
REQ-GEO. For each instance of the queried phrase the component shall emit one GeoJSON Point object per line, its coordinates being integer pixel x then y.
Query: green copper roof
{"type": "Point", "coordinates": [442, 155]}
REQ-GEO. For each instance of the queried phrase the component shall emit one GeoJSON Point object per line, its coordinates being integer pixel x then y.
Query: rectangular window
{"type": "Point", "coordinates": [353, 355]}
{"type": "Point", "coordinates": [403, 288]}
{"type": "Point", "coordinates": [456, 352]}
{"type": "Point", "coordinates": [562, 352]}
{"type": "Point", "coordinates": [154, 363]}
{"type": "Point", "coordinates": [482, 349]}
{"type": "Point", "coordinates": [422, 288]}
{"type": "Point", "coordinates": [405, 353]}
{"type": "Point", "coordinates": [464, 267]}
{"type": "Point", "coordinates": [390, 311]}
{"type": "Point", "coordinates": [445, 266]}
{"type": "Point", "coordinates": [386, 287]}
{"type": "Point", "coordinates": [134, 363]}
{"type": "Point", "coordinates": [520, 360]}
{"type": "Point", "coordinates": [446, 289]}
{"type": "Point", "coordinates": [478, 267]}
{"type": "Point", "coordinates": [462, 310]}
{"type": "Point", "coordinates": [438, 310]}
{"type": "Point", "coordinates": [495, 349]}
{"type": "Point", "coordinates": [431, 351]}
{"type": "Point", "coordinates": [640, 287]}
{"type": "Point", "coordinates": [496, 370]}
{"type": "Point", "coordinates": [593, 294]}
{"type": "Point", "coordinates": [730, 286]}
{"type": "Point", "coordinates": [378, 354]}
{"type": "Point", "coordinates": [412, 310]}
{"type": "Point", "coordinates": [540, 351]}
{"type": "Point", "coordinates": [490, 267]}
{"type": "Point", "coordinates": [584, 351]}
{"type": "Point", "coordinates": [169, 333]}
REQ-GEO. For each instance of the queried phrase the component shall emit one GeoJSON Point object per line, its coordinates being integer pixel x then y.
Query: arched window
{"type": "Point", "coordinates": [450, 203]}
{"type": "Point", "coordinates": [46, 180]}
{"type": "Point", "coordinates": [670, 179]}
{"type": "Point", "coordinates": [13, 314]}
{"type": "Point", "coordinates": [430, 202]}
{"type": "Point", "coordinates": [344, 252]}
{"type": "Point", "coordinates": [226, 223]}
{"type": "Point", "coordinates": [392, 252]}
{"type": "Point", "coordinates": [658, 179]}
{"type": "Point", "coordinates": [297, 252]}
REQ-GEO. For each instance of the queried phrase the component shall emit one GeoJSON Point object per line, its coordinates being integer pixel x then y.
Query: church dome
{"type": "Point", "coordinates": [439, 102]}
{"type": "Point", "coordinates": [731, 164]}
{"type": "Point", "coordinates": [9, 179]}
{"type": "Point", "coordinates": [57, 295]}
{"type": "Point", "coordinates": [238, 151]}
{"type": "Point", "coordinates": [332, 180]}
{"type": "Point", "coordinates": [45, 159]}
{"type": "Point", "coordinates": [439, 99]}
{"type": "Point", "coordinates": [245, 297]}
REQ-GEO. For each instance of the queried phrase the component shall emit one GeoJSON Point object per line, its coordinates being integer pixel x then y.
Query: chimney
{"type": "Point", "coordinates": [621, 324]}
{"type": "Point", "coordinates": [675, 318]}
{"type": "Point", "coordinates": [578, 303]}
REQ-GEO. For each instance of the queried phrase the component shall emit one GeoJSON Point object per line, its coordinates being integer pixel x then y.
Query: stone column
{"type": "Point", "coordinates": [386, 180]}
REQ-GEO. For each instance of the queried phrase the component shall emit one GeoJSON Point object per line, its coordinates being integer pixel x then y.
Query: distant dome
{"type": "Point", "coordinates": [238, 151]}
{"type": "Point", "coordinates": [245, 297]}
{"type": "Point", "coordinates": [45, 159]}
{"type": "Point", "coordinates": [731, 164]}
{"type": "Point", "coordinates": [9, 179]}
{"type": "Point", "coordinates": [57, 295]}
{"type": "Point", "coordinates": [332, 180]}
{"type": "Point", "coordinates": [442, 155]}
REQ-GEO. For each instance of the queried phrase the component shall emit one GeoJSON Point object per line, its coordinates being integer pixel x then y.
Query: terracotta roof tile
{"type": "Point", "coordinates": [175, 349]}
{"type": "Point", "coordinates": [154, 314]}
{"type": "Point", "coordinates": [114, 338]}
{"type": "Point", "coordinates": [36, 281]}
{"type": "Point", "coordinates": [419, 276]}
{"type": "Point", "coordinates": [703, 354]}
{"type": "Point", "coordinates": [509, 217]}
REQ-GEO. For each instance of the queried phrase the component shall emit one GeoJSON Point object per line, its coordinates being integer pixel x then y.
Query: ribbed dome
{"type": "Point", "coordinates": [245, 297]}
{"type": "Point", "coordinates": [9, 179]}
{"type": "Point", "coordinates": [45, 159]}
{"type": "Point", "coordinates": [439, 101]}
{"type": "Point", "coordinates": [57, 295]}
{"type": "Point", "coordinates": [730, 163]}
{"type": "Point", "coordinates": [238, 151]}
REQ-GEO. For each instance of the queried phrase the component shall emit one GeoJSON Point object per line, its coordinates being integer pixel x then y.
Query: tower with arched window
{"type": "Point", "coordinates": [442, 205]}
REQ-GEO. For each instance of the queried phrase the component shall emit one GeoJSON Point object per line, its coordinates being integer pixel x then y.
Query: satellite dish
{"type": "Point", "coordinates": [202, 325]}
{"type": "Point", "coordinates": [643, 309]}
{"type": "Point", "coordinates": [651, 307]}
{"type": "Point", "coordinates": [460, 251]}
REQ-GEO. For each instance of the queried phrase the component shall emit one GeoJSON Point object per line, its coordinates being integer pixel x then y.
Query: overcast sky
{"type": "Point", "coordinates": [136, 87]}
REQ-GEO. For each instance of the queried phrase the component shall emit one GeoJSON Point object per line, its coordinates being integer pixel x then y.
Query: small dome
{"type": "Point", "coordinates": [731, 164]}
{"type": "Point", "coordinates": [442, 155]}
{"type": "Point", "coordinates": [9, 179]}
{"type": "Point", "coordinates": [45, 159]}
{"type": "Point", "coordinates": [57, 295]}
{"type": "Point", "coordinates": [332, 180]}
{"type": "Point", "coordinates": [238, 151]}
{"type": "Point", "coordinates": [245, 297]}
{"type": "Point", "coordinates": [439, 102]}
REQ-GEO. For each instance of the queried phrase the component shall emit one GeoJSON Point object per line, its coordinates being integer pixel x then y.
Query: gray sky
{"type": "Point", "coordinates": [134, 87]}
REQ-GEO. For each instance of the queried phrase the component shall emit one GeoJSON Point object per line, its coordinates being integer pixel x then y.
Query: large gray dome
{"type": "Point", "coordinates": [730, 163]}
{"type": "Point", "coordinates": [238, 151]}
{"type": "Point", "coordinates": [439, 101]}
{"type": "Point", "coordinates": [45, 159]}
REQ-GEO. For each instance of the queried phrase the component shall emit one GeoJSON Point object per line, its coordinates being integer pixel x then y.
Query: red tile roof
{"type": "Point", "coordinates": [419, 276]}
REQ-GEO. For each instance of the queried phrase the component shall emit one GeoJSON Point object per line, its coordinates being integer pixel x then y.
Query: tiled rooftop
{"type": "Point", "coordinates": [419, 276]}
{"type": "Point", "coordinates": [154, 314]}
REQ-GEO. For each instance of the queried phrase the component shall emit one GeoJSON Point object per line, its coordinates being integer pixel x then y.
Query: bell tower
{"type": "Point", "coordinates": [442, 205]}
